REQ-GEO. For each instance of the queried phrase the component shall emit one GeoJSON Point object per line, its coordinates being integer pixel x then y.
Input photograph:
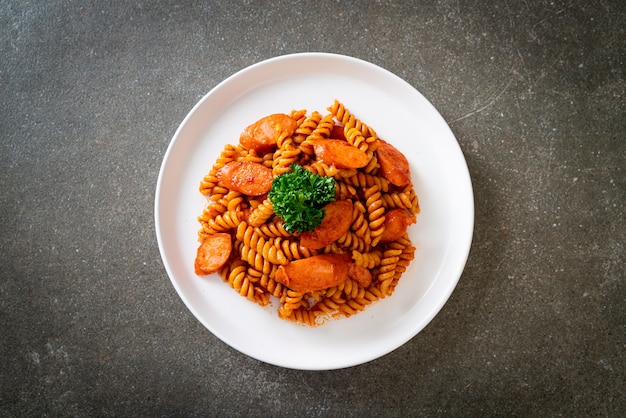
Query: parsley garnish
{"type": "Point", "coordinates": [298, 197]}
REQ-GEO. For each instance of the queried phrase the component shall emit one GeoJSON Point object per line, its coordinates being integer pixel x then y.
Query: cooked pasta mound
{"type": "Point", "coordinates": [354, 257]}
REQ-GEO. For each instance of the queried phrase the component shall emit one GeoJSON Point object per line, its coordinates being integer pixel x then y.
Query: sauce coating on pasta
{"type": "Point", "coordinates": [358, 253]}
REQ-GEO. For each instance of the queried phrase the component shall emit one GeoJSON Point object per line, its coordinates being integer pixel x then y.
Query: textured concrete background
{"type": "Point", "coordinates": [91, 94]}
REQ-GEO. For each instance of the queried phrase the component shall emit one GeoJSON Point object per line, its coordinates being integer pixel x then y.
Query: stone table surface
{"type": "Point", "coordinates": [91, 95]}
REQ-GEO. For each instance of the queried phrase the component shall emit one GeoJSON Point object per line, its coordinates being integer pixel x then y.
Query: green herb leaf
{"type": "Point", "coordinates": [298, 197]}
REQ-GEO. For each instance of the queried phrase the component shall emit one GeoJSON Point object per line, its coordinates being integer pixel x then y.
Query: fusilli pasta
{"type": "Point", "coordinates": [377, 250]}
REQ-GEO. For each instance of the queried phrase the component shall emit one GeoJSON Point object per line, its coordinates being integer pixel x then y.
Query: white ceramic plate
{"type": "Point", "coordinates": [400, 115]}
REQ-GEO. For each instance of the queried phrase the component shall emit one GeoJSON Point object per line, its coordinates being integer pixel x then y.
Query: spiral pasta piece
{"type": "Point", "coordinates": [398, 200]}
{"type": "Point", "coordinates": [273, 228]}
{"type": "Point", "coordinates": [363, 180]}
{"type": "Point", "coordinates": [268, 160]}
{"type": "Point", "coordinates": [386, 271]}
{"type": "Point", "coordinates": [352, 290]}
{"type": "Point", "coordinates": [220, 223]}
{"type": "Point", "coordinates": [225, 222]}
{"type": "Point", "coordinates": [303, 316]}
{"type": "Point", "coordinates": [292, 249]}
{"type": "Point", "coordinates": [322, 169]}
{"type": "Point", "coordinates": [405, 258]}
{"type": "Point", "coordinates": [299, 116]}
{"type": "Point", "coordinates": [250, 255]}
{"type": "Point", "coordinates": [344, 190]}
{"type": "Point", "coordinates": [349, 122]}
{"type": "Point", "coordinates": [415, 205]}
{"type": "Point", "coordinates": [219, 192]}
{"type": "Point", "coordinates": [367, 260]}
{"type": "Point", "coordinates": [235, 275]}
{"type": "Point", "coordinates": [372, 165]}
{"type": "Point", "coordinates": [307, 126]}
{"type": "Point", "coordinates": [352, 241]}
{"type": "Point", "coordinates": [360, 224]}
{"type": "Point", "coordinates": [251, 156]}
{"type": "Point", "coordinates": [356, 138]}
{"type": "Point", "coordinates": [328, 305]}
{"type": "Point", "coordinates": [376, 213]}
{"type": "Point", "coordinates": [232, 201]}
{"type": "Point", "coordinates": [323, 129]}
{"type": "Point", "coordinates": [228, 154]}
{"type": "Point", "coordinates": [284, 157]}
{"type": "Point", "coordinates": [291, 302]}
{"type": "Point", "coordinates": [271, 286]}
{"type": "Point", "coordinates": [256, 245]}
{"type": "Point", "coordinates": [261, 213]}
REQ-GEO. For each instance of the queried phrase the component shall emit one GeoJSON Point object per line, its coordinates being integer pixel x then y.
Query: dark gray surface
{"type": "Point", "coordinates": [91, 95]}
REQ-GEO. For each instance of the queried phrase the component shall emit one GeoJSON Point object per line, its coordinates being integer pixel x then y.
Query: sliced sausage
{"type": "Point", "coordinates": [393, 164]}
{"type": "Point", "coordinates": [396, 223]}
{"type": "Point", "coordinates": [247, 177]}
{"type": "Point", "coordinates": [339, 153]}
{"type": "Point", "coordinates": [313, 273]}
{"type": "Point", "coordinates": [213, 253]}
{"type": "Point", "coordinates": [336, 222]}
{"type": "Point", "coordinates": [261, 135]}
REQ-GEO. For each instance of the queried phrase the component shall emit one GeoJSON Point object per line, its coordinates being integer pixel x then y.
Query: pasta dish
{"type": "Point", "coordinates": [310, 210]}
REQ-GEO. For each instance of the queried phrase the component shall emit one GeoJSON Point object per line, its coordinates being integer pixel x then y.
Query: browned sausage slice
{"type": "Point", "coordinates": [247, 177]}
{"type": "Point", "coordinates": [213, 253]}
{"type": "Point", "coordinates": [396, 223]}
{"type": "Point", "coordinates": [339, 153]}
{"type": "Point", "coordinates": [393, 164]}
{"type": "Point", "coordinates": [313, 273]}
{"type": "Point", "coordinates": [336, 222]}
{"type": "Point", "coordinates": [261, 135]}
